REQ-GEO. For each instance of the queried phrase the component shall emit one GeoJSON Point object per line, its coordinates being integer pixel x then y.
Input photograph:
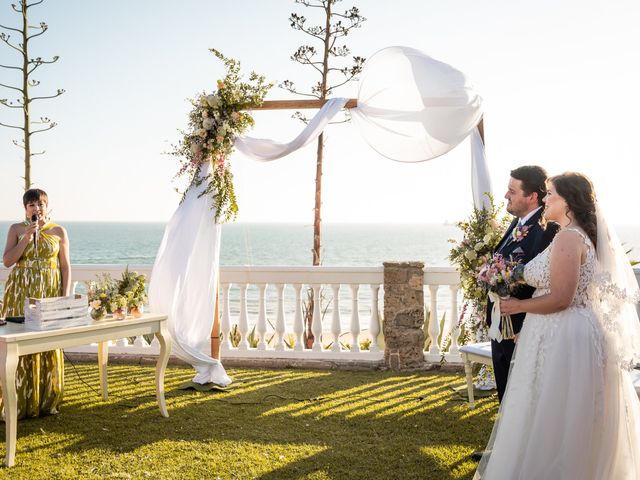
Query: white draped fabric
{"type": "Point", "coordinates": [184, 281]}
{"type": "Point", "coordinates": [266, 150]}
{"type": "Point", "coordinates": [411, 108]}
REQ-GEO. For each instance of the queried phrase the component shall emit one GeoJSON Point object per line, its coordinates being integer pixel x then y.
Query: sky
{"type": "Point", "coordinates": [559, 82]}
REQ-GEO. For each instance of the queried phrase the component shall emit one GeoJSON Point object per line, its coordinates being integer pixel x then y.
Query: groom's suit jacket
{"type": "Point", "coordinates": [535, 241]}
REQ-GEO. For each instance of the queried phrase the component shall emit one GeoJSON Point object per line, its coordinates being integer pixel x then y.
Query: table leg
{"type": "Point", "coordinates": [165, 349]}
{"type": "Point", "coordinates": [103, 358]}
{"type": "Point", "coordinates": [9, 363]}
{"type": "Point", "coordinates": [469, 374]}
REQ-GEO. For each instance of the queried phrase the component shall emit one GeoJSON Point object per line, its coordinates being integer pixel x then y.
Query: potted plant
{"type": "Point", "coordinates": [132, 287]}
{"type": "Point", "coordinates": [118, 306]}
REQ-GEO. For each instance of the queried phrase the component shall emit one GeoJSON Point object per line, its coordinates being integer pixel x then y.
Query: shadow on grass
{"type": "Point", "coordinates": [275, 424]}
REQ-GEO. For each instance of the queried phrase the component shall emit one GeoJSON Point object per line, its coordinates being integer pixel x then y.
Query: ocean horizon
{"type": "Point", "coordinates": [343, 244]}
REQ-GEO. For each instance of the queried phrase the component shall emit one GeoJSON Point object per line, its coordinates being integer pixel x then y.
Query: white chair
{"type": "Point", "coordinates": [481, 353]}
{"type": "Point", "coordinates": [476, 353]}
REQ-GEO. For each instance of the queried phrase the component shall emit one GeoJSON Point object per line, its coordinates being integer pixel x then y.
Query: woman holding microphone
{"type": "Point", "coordinates": [38, 250]}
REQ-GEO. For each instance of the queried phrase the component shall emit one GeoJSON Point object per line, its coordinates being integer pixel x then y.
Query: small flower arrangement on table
{"type": "Point", "coordinates": [100, 293]}
{"type": "Point", "coordinates": [132, 286]}
{"type": "Point", "coordinates": [117, 297]}
{"type": "Point", "coordinates": [500, 277]}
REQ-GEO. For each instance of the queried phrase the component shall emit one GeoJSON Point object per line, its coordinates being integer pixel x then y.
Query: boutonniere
{"type": "Point", "coordinates": [519, 233]}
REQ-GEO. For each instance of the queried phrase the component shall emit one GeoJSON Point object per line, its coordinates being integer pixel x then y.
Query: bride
{"type": "Point", "coordinates": [570, 410]}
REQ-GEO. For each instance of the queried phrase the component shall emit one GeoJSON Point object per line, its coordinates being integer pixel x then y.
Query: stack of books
{"type": "Point", "coordinates": [56, 312]}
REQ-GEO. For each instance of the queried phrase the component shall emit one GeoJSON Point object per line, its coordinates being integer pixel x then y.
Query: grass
{"type": "Point", "coordinates": [359, 425]}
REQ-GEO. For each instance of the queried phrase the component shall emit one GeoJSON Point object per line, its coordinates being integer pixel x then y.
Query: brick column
{"type": "Point", "coordinates": [403, 315]}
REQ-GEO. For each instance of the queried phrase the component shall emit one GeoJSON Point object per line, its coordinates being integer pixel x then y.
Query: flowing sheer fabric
{"type": "Point", "coordinates": [411, 108]}
{"type": "Point", "coordinates": [617, 290]}
{"type": "Point", "coordinates": [267, 150]}
{"type": "Point", "coordinates": [184, 281]}
{"type": "Point", "coordinates": [570, 411]}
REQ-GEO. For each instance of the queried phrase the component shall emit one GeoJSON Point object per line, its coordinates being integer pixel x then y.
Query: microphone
{"type": "Point", "coordinates": [34, 218]}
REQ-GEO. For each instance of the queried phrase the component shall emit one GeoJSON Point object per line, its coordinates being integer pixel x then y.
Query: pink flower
{"type": "Point", "coordinates": [220, 84]}
{"type": "Point", "coordinates": [518, 234]}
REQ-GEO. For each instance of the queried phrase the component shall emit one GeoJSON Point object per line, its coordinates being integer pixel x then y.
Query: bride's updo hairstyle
{"type": "Point", "coordinates": [577, 190]}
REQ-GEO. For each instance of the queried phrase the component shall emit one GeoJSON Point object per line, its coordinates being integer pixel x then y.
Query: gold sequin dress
{"type": "Point", "coordinates": [40, 376]}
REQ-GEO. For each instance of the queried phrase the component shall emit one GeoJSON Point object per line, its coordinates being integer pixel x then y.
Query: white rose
{"type": "Point", "coordinates": [208, 123]}
{"type": "Point", "coordinates": [213, 100]}
{"type": "Point", "coordinates": [201, 132]}
{"type": "Point", "coordinates": [195, 147]}
{"type": "Point", "coordinates": [479, 246]}
{"type": "Point", "coordinates": [487, 238]}
{"type": "Point", "coordinates": [471, 254]}
{"type": "Point", "coordinates": [203, 101]}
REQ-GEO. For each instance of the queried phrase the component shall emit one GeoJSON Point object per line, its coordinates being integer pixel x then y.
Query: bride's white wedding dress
{"type": "Point", "coordinates": [569, 412]}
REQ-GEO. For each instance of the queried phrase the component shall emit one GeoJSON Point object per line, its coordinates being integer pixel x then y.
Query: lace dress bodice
{"type": "Point", "coordinates": [537, 272]}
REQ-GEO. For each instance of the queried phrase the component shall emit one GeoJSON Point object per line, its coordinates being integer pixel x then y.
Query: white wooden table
{"type": "Point", "coordinates": [16, 341]}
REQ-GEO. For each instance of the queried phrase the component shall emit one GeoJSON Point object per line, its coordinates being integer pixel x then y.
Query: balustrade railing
{"type": "Point", "coordinates": [264, 310]}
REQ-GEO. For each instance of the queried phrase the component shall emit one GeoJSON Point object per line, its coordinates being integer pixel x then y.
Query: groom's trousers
{"type": "Point", "coordinates": [501, 354]}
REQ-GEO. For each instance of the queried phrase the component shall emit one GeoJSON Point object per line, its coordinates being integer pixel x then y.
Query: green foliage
{"type": "Point", "coordinates": [101, 291]}
{"type": "Point", "coordinates": [110, 294]}
{"type": "Point", "coordinates": [133, 287]}
{"type": "Point", "coordinates": [214, 122]}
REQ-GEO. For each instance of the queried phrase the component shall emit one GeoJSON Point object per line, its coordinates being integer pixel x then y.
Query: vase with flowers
{"type": "Point", "coordinates": [132, 286]}
{"type": "Point", "coordinates": [99, 295]}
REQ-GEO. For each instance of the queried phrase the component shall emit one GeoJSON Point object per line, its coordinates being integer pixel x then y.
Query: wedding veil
{"type": "Point", "coordinates": [616, 294]}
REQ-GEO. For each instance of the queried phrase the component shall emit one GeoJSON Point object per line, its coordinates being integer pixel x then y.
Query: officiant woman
{"type": "Point", "coordinates": [38, 250]}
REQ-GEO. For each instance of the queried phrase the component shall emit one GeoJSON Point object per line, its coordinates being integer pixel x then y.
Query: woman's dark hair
{"type": "Point", "coordinates": [577, 190]}
{"type": "Point", "coordinates": [34, 195]}
{"type": "Point", "coordinates": [533, 178]}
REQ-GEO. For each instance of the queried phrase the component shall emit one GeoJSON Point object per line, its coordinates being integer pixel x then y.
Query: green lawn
{"type": "Point", "coordinates": [359, 425]}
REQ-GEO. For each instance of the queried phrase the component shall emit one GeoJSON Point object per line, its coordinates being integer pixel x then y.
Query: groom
{"type": "Point", "coordinates": [524, 239]}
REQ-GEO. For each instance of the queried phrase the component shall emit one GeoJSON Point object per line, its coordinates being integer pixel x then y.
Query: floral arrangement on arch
{"type": "Point", "coordinates": [216, 119]}
{"type": "Point", "coordinates": [482, 232]}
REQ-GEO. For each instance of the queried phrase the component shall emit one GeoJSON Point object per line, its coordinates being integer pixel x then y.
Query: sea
{"type": "Point", "coordinates": [351, 245]}
{"type": "Point", "coordinates": [289, 244]}
{"type": "Point", "coordinates": [285, 244]}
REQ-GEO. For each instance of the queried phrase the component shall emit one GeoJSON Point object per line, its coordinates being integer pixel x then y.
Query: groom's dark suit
{"type": "Point", "coordinates": [536, 240]}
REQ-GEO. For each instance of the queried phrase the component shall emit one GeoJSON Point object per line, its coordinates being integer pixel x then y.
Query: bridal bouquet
{"type": "Point", "coordinates": [482, 232]}
{"type": "Point", "coordinates": [500, 277]}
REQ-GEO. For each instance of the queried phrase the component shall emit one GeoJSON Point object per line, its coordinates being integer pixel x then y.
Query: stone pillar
{"type": "Point", "coordinates": [403, 315]}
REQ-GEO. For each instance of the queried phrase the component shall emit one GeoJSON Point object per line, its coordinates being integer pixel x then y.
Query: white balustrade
{"type": "Point", "coordinates": [225, 324]}
{"type": "Point", "coordinates": [280, 297]}
{"type": "Point", "coordinates": [262, 318]}
{"type": "Point", "coordinates": [355, 320]}
{"type": "Point", "coordinates": [280, 328]}
{"type": "Point", "coordinates": [374, 322]}
{"type": "Point", "coordinates": [298, 322]}
{"type": "Point", "coordinates": [335, 323]}
{"type": "Point", "coordinates": [243, 321]}
{"type": "Point", "coordinates": [434, 323]}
